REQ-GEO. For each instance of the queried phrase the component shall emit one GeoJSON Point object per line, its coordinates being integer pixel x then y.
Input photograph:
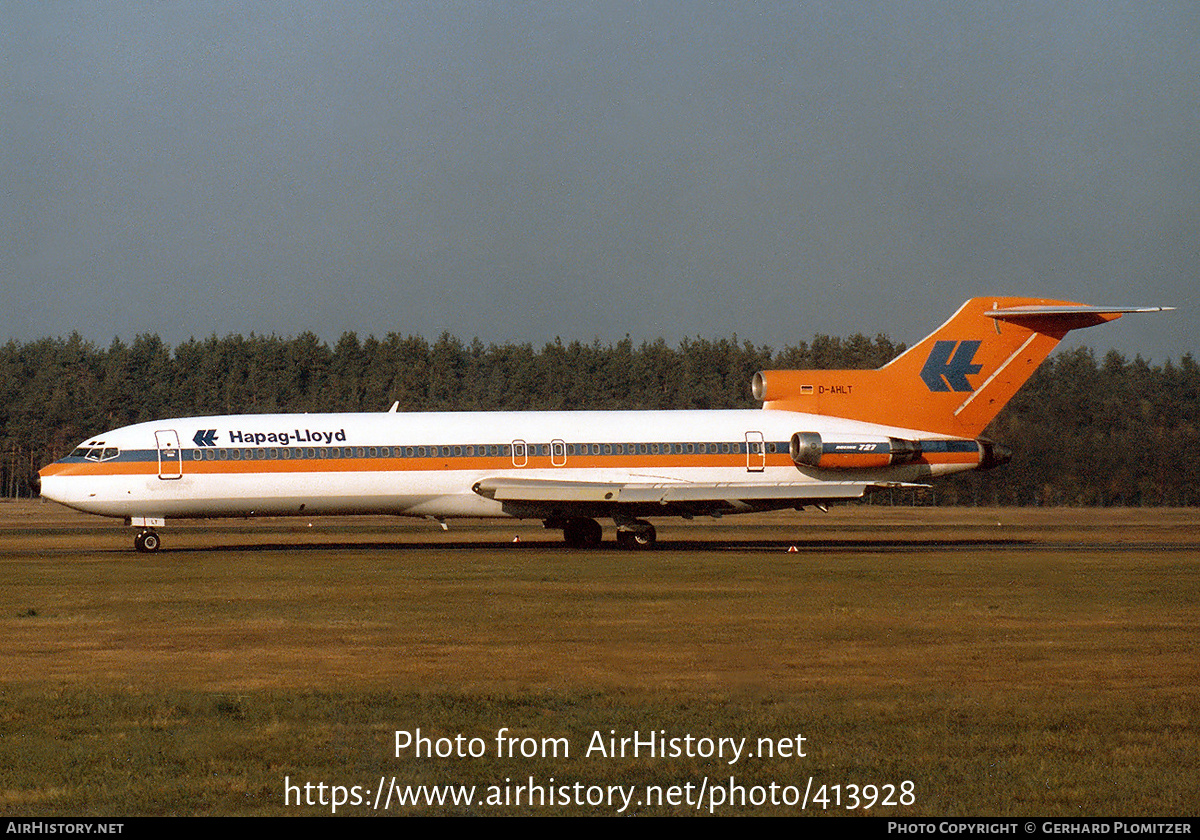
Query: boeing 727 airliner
{"type": "Point", "coordinates": [821, 436]}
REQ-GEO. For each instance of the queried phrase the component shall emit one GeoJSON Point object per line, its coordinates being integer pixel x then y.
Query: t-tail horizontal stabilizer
{"type": "Point", "coordinates": [955, 380]}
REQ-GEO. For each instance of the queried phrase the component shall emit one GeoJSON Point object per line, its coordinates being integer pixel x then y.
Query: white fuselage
{"type": "Point", "coordinates": [427, 464]}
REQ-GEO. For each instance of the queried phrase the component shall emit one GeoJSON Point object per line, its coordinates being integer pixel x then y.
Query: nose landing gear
{"type": "Point", "coordinates": [146, 542]}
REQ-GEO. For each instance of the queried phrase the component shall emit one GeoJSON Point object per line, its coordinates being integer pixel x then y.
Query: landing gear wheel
{"type": "Point", "coordinates": [582, 533]}
{"type": "Point", "coordinates": [641, 535]}
{"type": "Point", "coordinates": [146, 542]}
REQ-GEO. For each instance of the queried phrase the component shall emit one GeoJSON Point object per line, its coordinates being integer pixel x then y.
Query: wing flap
{"type": "Point", "coordinates": [550, 491]}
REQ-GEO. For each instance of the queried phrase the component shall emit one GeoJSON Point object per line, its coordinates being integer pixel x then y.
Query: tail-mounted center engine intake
{"type": "Point", "coordinates": [808, 450]}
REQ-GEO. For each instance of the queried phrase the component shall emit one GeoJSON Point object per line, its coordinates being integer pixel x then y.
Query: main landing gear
{"type": "Point", "coordinates": [581, 532]}
{"type": "Point", "coordinates": [639, 534]}
{"type": "Point", "coordinates": [147, 541]}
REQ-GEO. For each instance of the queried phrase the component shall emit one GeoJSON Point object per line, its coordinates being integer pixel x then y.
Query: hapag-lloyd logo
{"type": "Point", "coordinates": [949, 364]}
{"type": "Point", "coordinates": [208, 437]}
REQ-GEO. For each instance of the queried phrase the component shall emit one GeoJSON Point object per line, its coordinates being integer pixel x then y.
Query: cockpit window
{"type": "Point", "coordinates": [96, 453]}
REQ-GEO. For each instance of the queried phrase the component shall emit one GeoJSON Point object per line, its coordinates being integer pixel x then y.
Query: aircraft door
{"type": "Point", "coordinates": [558, 453]}
{"type": "Point", "coordinates": [756, 452]}
{"type": "Point", "coordinates": [170, 458]}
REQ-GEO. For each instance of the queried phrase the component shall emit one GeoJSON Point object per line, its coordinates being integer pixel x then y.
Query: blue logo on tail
{"type": "Point", "coordinates": [943, 372]}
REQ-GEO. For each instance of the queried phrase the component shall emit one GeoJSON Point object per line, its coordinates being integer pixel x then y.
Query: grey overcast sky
{"type": "Point", "coordinates": [520, 171]}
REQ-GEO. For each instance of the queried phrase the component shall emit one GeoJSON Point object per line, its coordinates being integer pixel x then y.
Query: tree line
{"type": "Point", "coordinates": [1113, 432]}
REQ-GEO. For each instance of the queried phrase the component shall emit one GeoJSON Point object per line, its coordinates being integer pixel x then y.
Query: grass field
{"type": "Point", "coordinates": [1003, 662]}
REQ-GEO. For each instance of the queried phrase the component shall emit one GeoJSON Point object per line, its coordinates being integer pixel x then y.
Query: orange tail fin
{"type": "Point", "coordinates": [955, 381]}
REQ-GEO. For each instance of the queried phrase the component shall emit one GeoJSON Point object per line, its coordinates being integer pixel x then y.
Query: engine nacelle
{"type": "Point", "coordinates": [770, 385]}
{"type": "Point", "coordinates": [994, 455]}
{"type": "Point", "coordinates": [808, 450]}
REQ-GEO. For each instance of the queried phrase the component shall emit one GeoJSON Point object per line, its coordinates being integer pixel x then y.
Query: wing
{"type": "Point", "coordinates": [546, 498]}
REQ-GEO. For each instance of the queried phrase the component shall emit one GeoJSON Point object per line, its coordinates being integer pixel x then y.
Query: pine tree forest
{"type": "Point", "coordinates": [1084, 431]}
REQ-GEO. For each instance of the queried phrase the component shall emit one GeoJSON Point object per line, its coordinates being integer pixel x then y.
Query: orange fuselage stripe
{"type": "Point", "coordinates": [541, 462]}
